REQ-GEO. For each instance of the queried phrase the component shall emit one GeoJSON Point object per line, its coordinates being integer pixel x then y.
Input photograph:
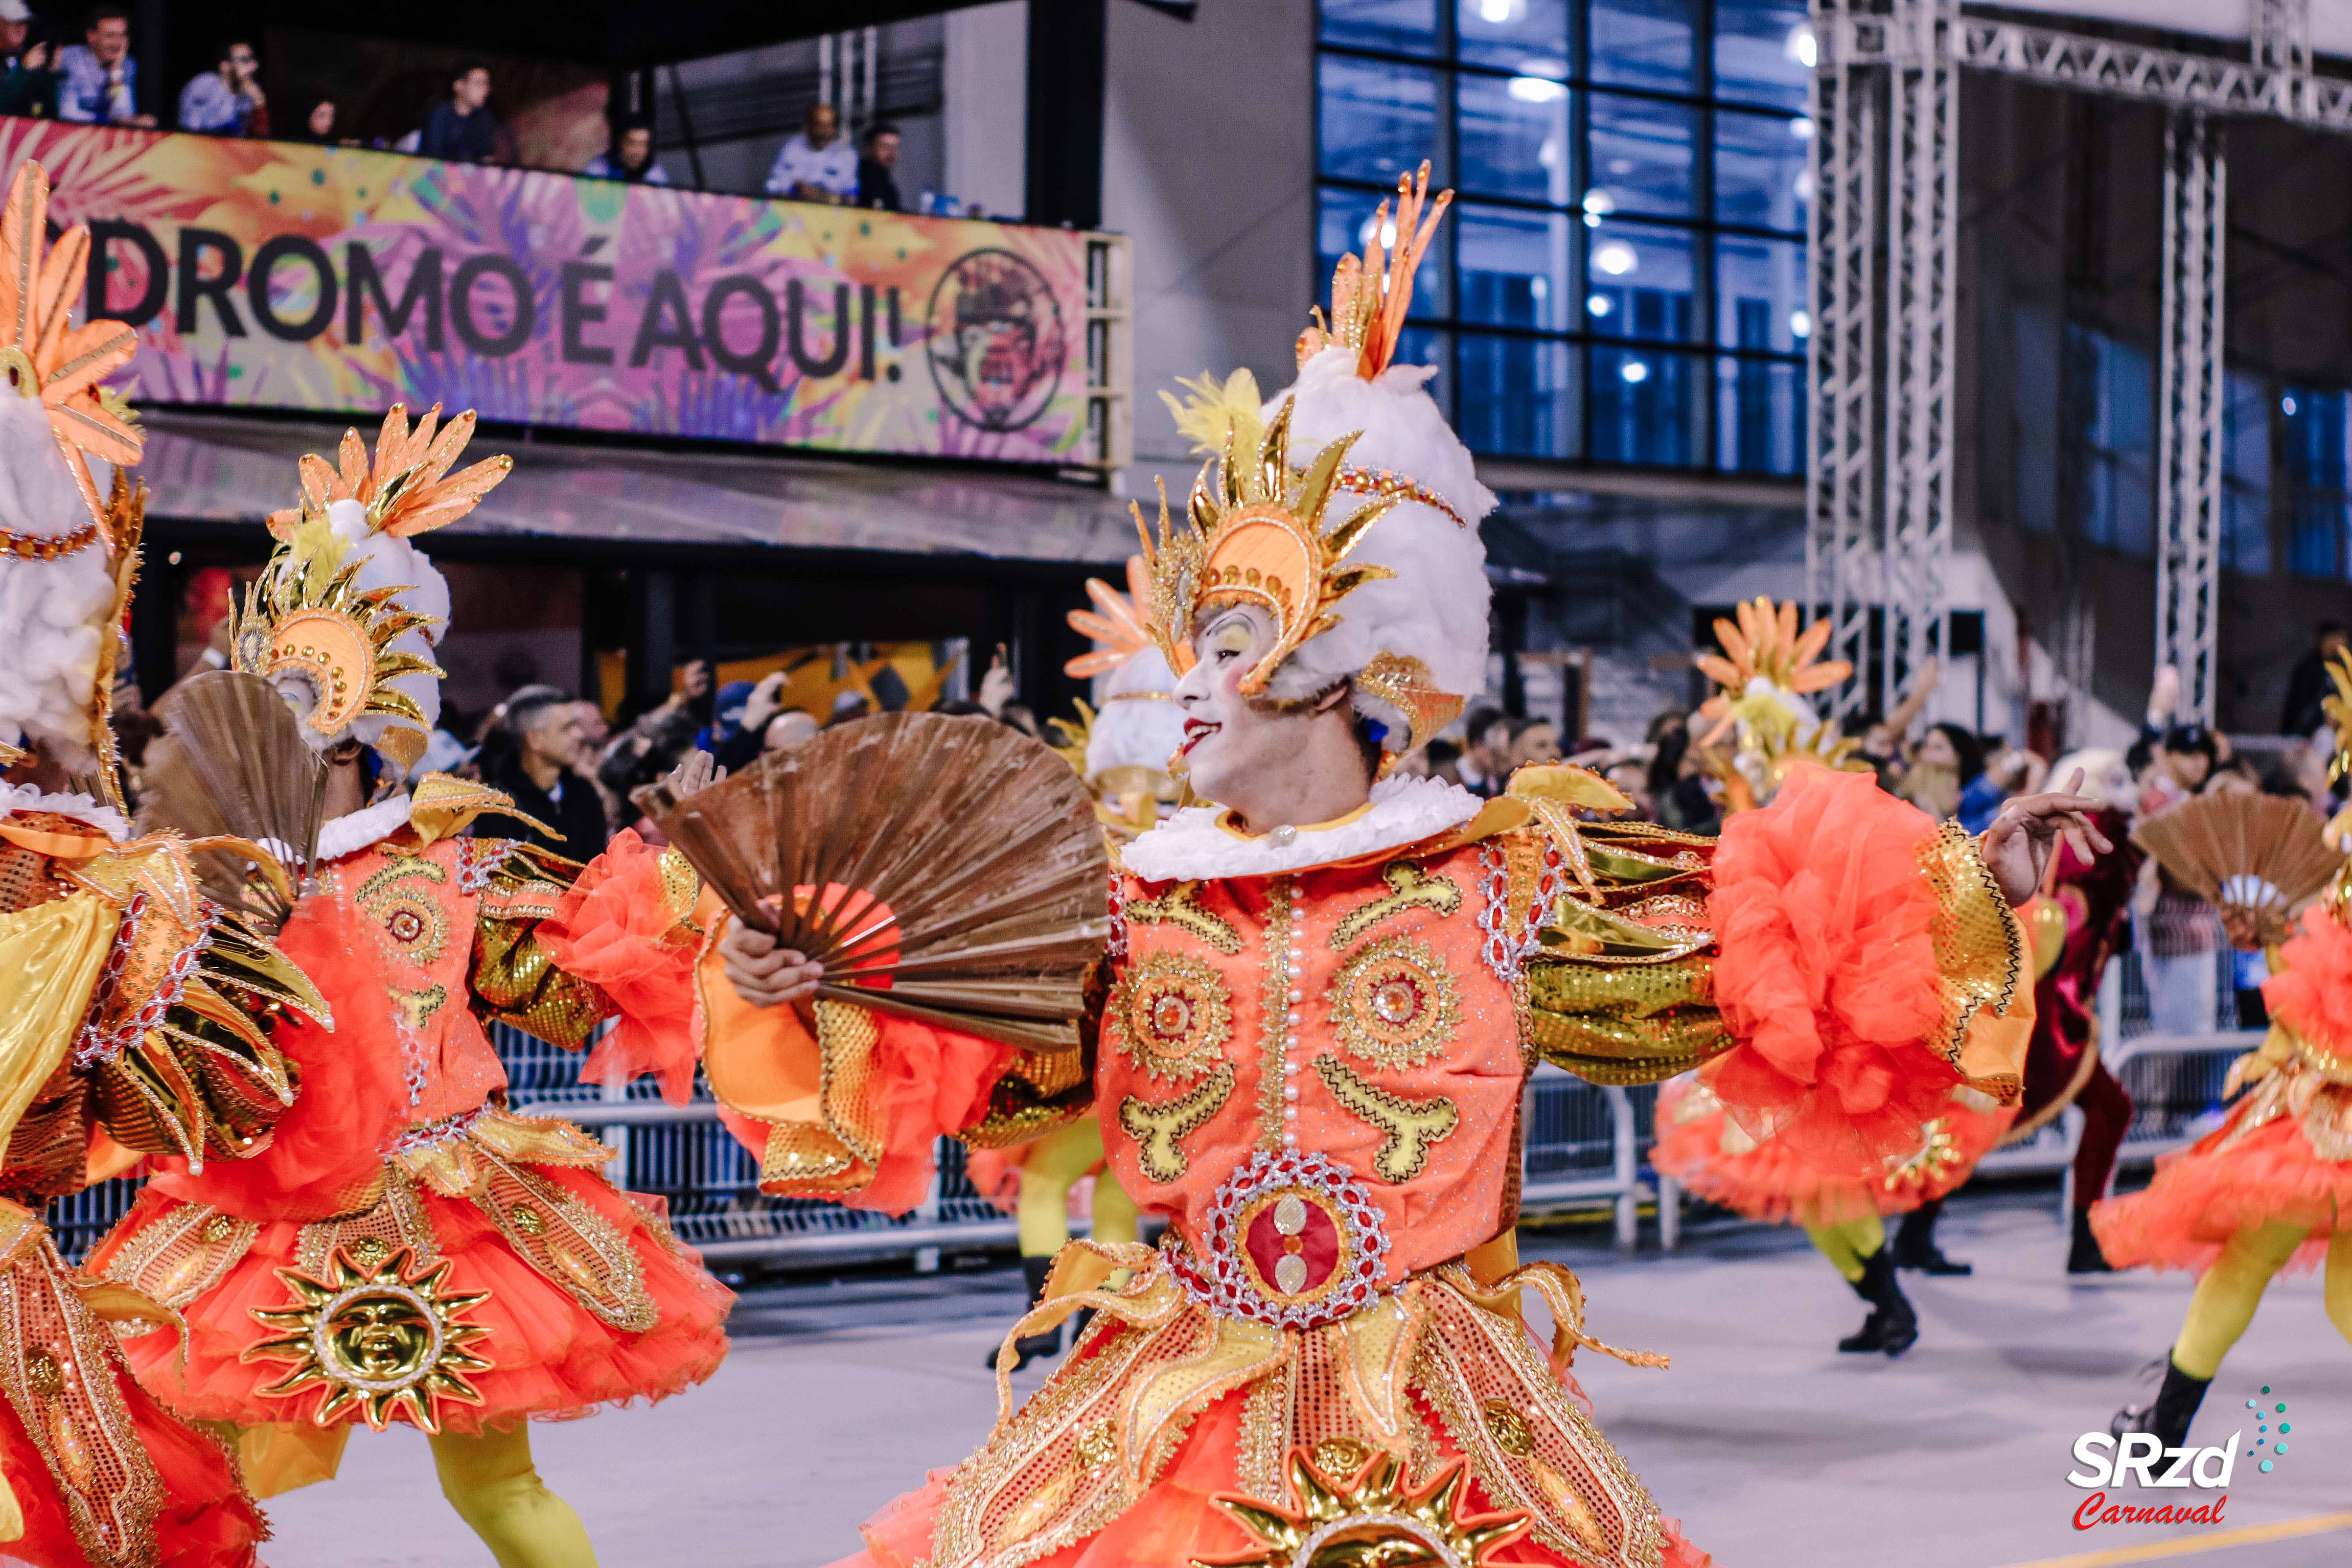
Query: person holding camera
{"type": "Point", "coordinates": [227, 100]}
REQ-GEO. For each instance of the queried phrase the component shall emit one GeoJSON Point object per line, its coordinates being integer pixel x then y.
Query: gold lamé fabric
{"type": "Point", "coordinates": [1980, 955]}
{"type": "Point", "coordinates": [2293, 1076]}
{"type": "Point", "coordinates": [62, 1374]}
{"type": "Point", "coordinates": [1439, 1369]}
{"type": "Point", "coordinates": [51, 956]}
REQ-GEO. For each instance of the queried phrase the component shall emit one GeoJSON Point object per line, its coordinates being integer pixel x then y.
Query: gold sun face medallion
{"type": "Point", "coordinates": [1352, 1507]}
{"type": "Point", "coordinates": [376, 1338]}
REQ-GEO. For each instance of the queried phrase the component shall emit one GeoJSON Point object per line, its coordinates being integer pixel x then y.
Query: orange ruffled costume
{"type": "Point", "coordinates": [1311, 1060]}
{"type": "Point", "coordinates": [2284, 1153]}
{"type": "Point", "coordinates": [400, 1157]}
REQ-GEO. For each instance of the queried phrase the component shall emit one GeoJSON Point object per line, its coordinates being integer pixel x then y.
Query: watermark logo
{"type": "Point", "coordinates": [2113, 1470]}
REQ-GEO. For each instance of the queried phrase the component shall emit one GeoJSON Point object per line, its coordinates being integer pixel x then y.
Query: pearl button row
{"type": "Point", "coordinates": [1293, 970]}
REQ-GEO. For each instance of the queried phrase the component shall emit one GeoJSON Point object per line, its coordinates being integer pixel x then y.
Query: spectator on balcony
{"type": "Point", "coordinates": [460, 128]}
{"type": "Point", "coordinates": [227, 100]}
{"type": "Point", "coordinates": [817, 164]}
{"type": "Point", "coordinates": [631, 157]}
{"type": "Point", "coordinates": [319, 126]}
{"type": "Point", "coordinates": [2307, 685]}
{"type": "Point", "coordinates": [877, 172]}
{"type": "Point", "coordinates": [97, 81]}
{"type": "Point", "coordinates": [28, 86]}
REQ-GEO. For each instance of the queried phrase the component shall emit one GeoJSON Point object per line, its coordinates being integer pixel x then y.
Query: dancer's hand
{"type": "Point", "coordinates": [2019, 843]}
{"type": "Point", "coordinates": [763, 973]}
{"type": "Point", "coordinates": [696, 772]}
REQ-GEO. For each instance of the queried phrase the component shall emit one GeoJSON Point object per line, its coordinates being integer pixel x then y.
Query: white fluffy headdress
{"type": "Point", "coordinates": [345, 617]}
{"type": "Point", "coordinates": [67, 557]}
{"type": "Point", "coordinates": [1345, 506]}
{"type": "Point", "coordinates": [1139, 724]}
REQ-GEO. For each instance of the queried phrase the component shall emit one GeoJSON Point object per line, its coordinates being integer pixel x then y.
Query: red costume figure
{"type": "Point", "coordinates": [2090, 901]}
{"type": "Point", "coordinates": [411, 1250]}
{"type": "Point", "coordinates": [1323, 999]}
{"type": "Point", "coordinates": [136, 1015]}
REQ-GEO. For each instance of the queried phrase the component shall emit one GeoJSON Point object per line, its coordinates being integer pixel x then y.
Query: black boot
{"type": "Point", "coordinates": [1892, 1327]}
{"type": "Point", "coordinates": [1914, 1243]}
{"type": "Point", "coordinates": [2084, 1257]}
{"type": "Point", "coordinates": [2166, 1418]}
{"type": "Point", "coordinates": [1032, 1347]}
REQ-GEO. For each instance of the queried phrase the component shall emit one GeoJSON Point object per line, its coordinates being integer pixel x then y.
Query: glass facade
{"type": "Point", "coordinates": [1624, 278]}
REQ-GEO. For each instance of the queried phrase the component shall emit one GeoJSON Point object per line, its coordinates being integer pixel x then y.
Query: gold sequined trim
{"type": "Point", "coordinates": [1394, 1003]}
{"type": "Point", "coordinates": [411, 924]}
{"type": "Point", "coordinates": [1180, 906]}
{"type": "Point", "coordinates": [394, 1222]}
{"type": "Point", "coordinates": [1170, 1014]}
{"type": "Point", "coordinates": [1411, 1125]}
{"type": "Point", "coordinates": [177, 1258]}
{"type": "Point", "coordinates": [1409, 887]}
{"type": "Point", "coordinates": [1976, 942]}
{"type": "Point", "coordinates": [1273, 1025]}
{"type": "Point", "coordinates": [569, 1243]}
{"type": "Point", "coordinates": [1159, 1131]}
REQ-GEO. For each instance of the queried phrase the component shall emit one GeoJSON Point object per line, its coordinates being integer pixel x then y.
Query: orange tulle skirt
{"type": "Point", "coordinates": [2258, 1166]}
{"type": "Point", "coordinates": [550, 1358]}
{"type": "Point", "coordinates": [1773, 1181]}
{"type": "Point", "coordinates": [206, 1520]}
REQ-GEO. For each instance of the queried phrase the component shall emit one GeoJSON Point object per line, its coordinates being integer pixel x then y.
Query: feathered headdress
{"type": "Point", "coordinates": [67, 555]}
{"type": "Point", "coordinates": [345, 616]}
{"type": "Point", "coordinates": [1123, 750]}
{"type": "Point", "coordinates": [1767, 671]}
{"type": "Point", "coordinates": [1346, 507]}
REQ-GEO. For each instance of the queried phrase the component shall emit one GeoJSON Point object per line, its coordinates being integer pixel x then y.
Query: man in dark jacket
{"type": "Point", "coordinates": [2308, 684]}
{"type": "Point", "coordinates": [532, 754]}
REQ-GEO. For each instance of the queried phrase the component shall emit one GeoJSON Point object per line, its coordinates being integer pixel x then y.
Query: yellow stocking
{"type": "Point", "coordinates": [1845, 1246]}
{"type": "Point", "coordinates": [2231, 1290]}
{"type": "Point", "coordinates": [2338, 1291]}
{"type": "Point", "coordinates": [1055, 1163]}
{"type": "Point", "coordinates": [489, 1480]}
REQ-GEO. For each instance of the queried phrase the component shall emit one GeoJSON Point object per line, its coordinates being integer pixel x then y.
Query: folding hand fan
{"type": "Point", "coordinates": [233, 765]}
{"type": "Point", "coordinates": [2262, 856]}
{"type": "Point", "coordinates": [943, 868]}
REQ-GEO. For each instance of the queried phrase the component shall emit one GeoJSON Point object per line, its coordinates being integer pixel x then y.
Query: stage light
{"type": "Point", "coordinates": [1535, 89]}
{"type": "Point", "coordinates": [1616, 258]}
{"type": "Point", "coordinates": [1800, 325]}
{"type": "Point", "coordinates": [1801, 46]}
{"type": "Point", "coordinates": [1598, 304]}
{"type": "Point", "coordinates": [1633, 372]}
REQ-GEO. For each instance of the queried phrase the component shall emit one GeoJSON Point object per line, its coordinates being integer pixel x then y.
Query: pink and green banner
{"type": "Point", "coordinates": [275, 275]}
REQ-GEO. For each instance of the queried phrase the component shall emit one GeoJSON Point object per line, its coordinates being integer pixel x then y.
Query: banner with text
{"type": "Point", "coordinates": [275, 275]}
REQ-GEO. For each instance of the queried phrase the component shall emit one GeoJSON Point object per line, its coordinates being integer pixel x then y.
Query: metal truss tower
{"type": "Point", "coordinates": [2188, 407]}
{"type": "Point", "coordinates": [1878, 495]}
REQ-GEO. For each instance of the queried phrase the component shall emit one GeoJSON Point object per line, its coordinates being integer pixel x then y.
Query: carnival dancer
{"type": "Point", "coordinates": [1767, 733]}
{"type": "Point", "coordinates": [1122, 752]}
{"type": "Point", "coordinates": [136, 1015]}
{"type": "Point", "coordinates": [2084, 918]}
{"type": "Point", "coordinates": [410, 1250]}
{"type": "Point", "coordinates": [2271, 1188]}
{"type": "Point", "coordinates": [1327, 991]}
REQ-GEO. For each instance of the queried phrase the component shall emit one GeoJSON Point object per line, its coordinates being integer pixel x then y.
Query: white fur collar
{"type": "Point", "coordinates": [80, 807]}
{"type": "Point", "coordinates": [369, 824]}
{"type": "Point", "coordinates": [1194, 844]}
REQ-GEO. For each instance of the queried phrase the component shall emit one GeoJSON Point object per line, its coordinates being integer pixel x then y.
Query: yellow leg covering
{"type": "Point", "coordinates": [2226, 1298]}
{"type": "Point", "coordinates": [2338, 1291]}
{"type": "Point", "coordinates": [1845, 1246]}
{"type": "Point", "coordinates": [1115, 1217]}
{"type": "Point", "coordinates": [1055, 1163]}
{"type": "Point", "coordinates": [489, 1480]}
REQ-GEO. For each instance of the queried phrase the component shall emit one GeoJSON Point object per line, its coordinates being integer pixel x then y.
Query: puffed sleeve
{"type": "Point", "coordinates": [846, 1102]}
{"type": "Point", "coordinates": [623, 938]}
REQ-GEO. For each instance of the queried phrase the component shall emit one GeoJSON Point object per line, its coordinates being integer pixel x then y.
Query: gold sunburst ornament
{"type": "Point", "coordinates": [384, 1341]}
{"type": "Point", "coordinates": [1253, 534]}
{"type": "Point", "coordinates": [1350, 1507]}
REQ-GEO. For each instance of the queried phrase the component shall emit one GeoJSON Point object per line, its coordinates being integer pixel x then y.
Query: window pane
{"type": "Point", "coordinates": [1642, 43]}
{"type": "Point", "coordinates": [2246, 474]}
{"type": "Point", "coordinates": [1407, 27]}
{"type": "Point", "coordinates": [1344, 224]}
{"type": "Point", "coordinates": [1760, 416]}
{"type": "Point", "coordinates": [1641, 157]}
{"type": "Point", "coordinates": [2116, 503]}
{"type": "Point", "coordinates": [1514, 137]}
{"type": "Point", "coordinates": [1638, 282]}
{"type": "Point", "coordinates": [1761, 172]}
{"type": "Point", "coordinates": [1763, 51]}
{"type": "Point", "coordinates": [1521, 35]}
{"type": "Point", "coordinates": [1760, 294]}
{"type": "Point", "coordinates": [1645, 406]}
{"type": "Point", "coordinates": [1515, 267]}
{"type": "Point", "coordinates": [1517, 397]}
{"type": "Point", "coordinates": [1378, 121]}
{"type": "Point", "coordinates": [2318, 471]}
{"type": "Point", "coordinates": [1423, 346]}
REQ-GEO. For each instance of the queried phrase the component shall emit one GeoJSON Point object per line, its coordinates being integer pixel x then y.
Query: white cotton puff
{"type": "Point", "coordinates": [386, 561]}
{"type": "Point", "coordinates": [1434, 608]}
{"type": "Point", "coordinates": [1132, 731]}
{"type": "Point", "coordinates": [55, 612]}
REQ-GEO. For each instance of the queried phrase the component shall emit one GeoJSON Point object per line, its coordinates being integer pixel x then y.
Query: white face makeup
{"type": "Point", "coordinates": [1226, 736]}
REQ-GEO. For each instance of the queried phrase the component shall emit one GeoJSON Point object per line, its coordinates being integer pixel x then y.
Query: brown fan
{"type": "Point", "coordinates": [232, 765]}
{"type": "Point", "coordinates": [955, 861]}
{"type": "Point", "coordinates": [2261, 856]}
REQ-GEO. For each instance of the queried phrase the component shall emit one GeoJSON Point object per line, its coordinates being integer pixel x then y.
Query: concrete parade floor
{"type": "Point", "coordinates": [1775, 1451]}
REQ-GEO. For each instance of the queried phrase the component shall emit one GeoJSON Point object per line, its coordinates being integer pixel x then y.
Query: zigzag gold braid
{"type": "Point", "coordinates": [1563, 1297]}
